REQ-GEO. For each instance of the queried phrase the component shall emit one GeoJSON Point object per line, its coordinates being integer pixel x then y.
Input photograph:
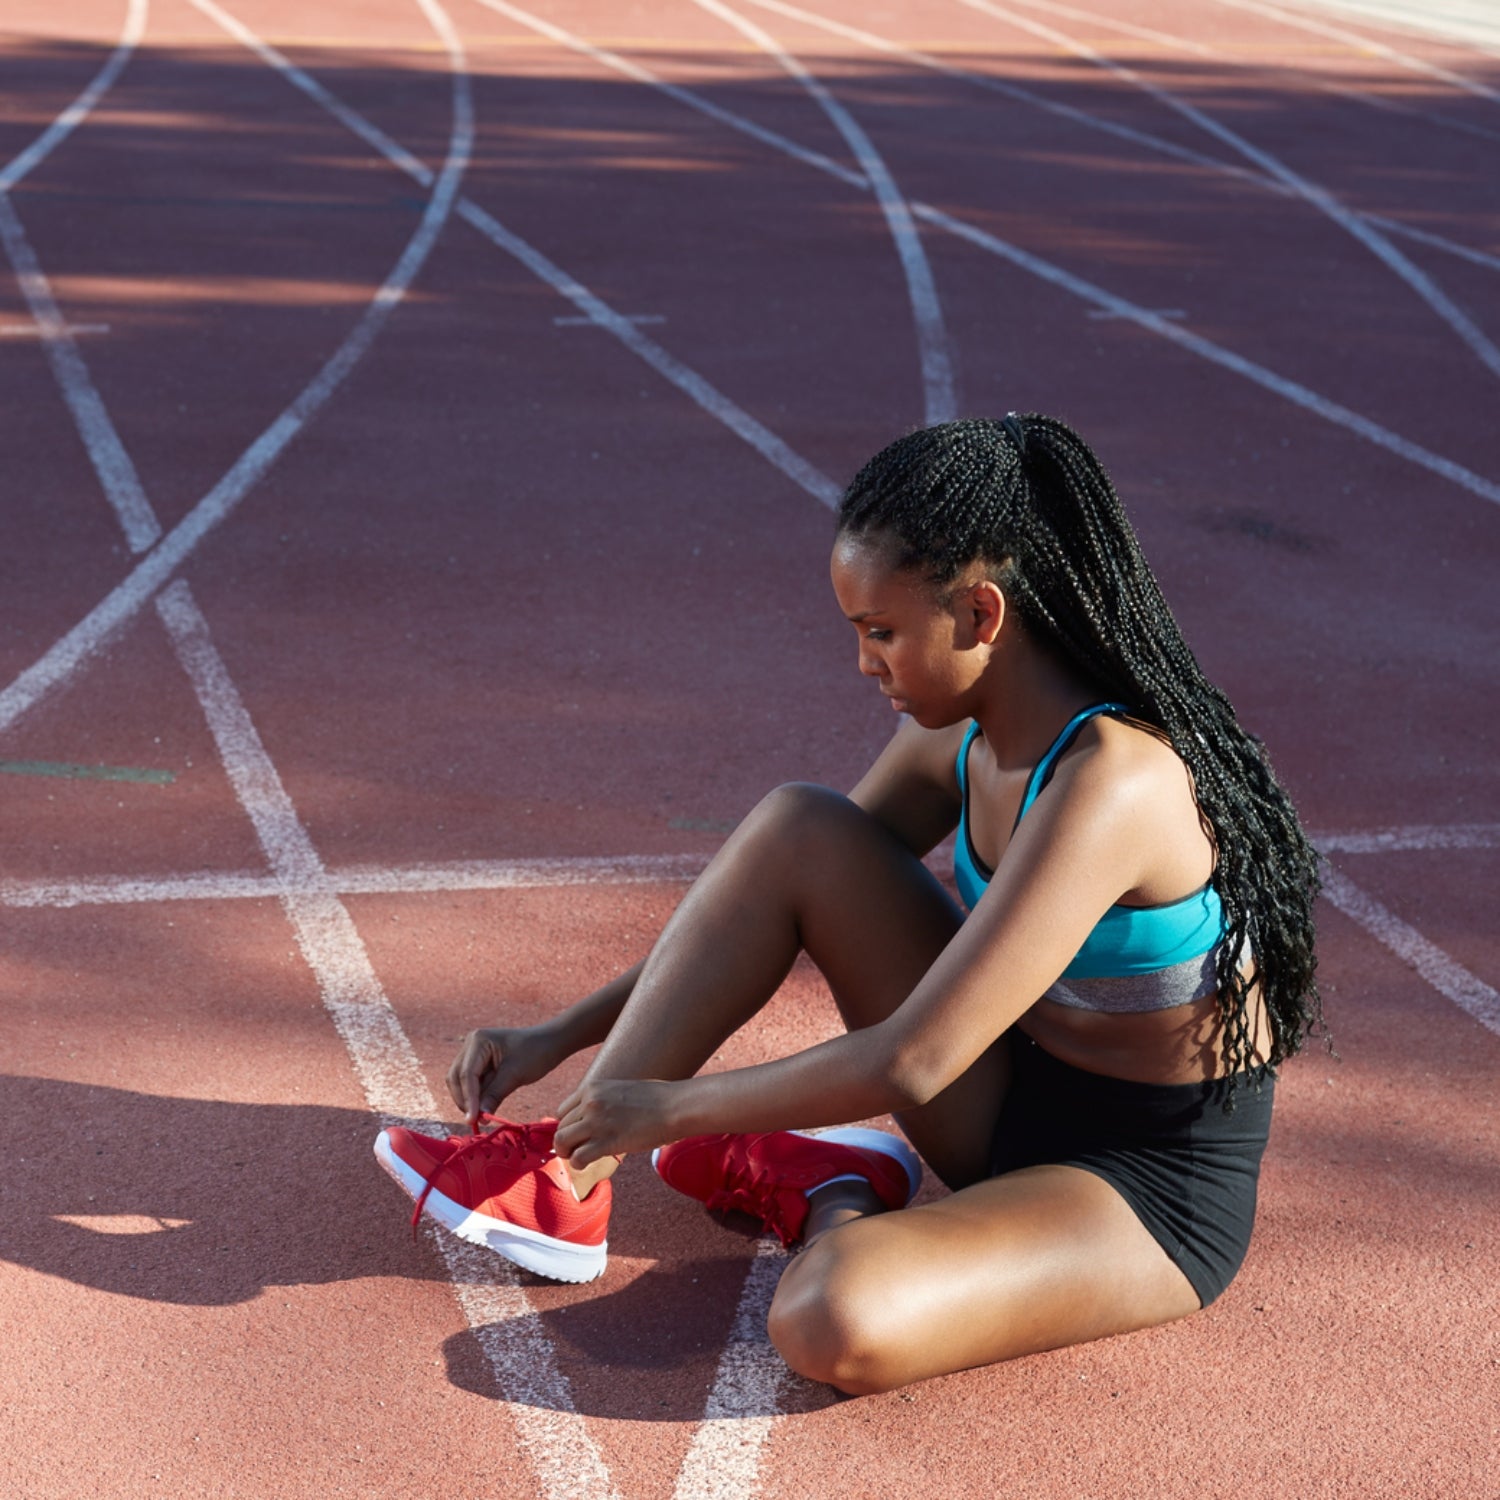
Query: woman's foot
{"type": "Point", "coordinates": [770, 1175]}
{"type": "Point", "coordinates": [505, 1189]}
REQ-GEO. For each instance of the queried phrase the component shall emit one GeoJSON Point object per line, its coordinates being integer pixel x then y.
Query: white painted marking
{"type": "Point", "coordinates": [75, 649]}
{"type": "Point", "coordinates": [773, 449]}
{"type": "Point", "coordinates": [36, 331]}
{"type": "Point", "coordinates": [1303, 76]}
{"type": "Point", "coordinates": [1104, 314]}
{"type": "Point", "coordinates": [554, 1437]}
{"type": "Point", "coordinates": [704, 106]}
{"type": "Point", "coordinates": [107, 454]}
{"type": "Point", "coordinates": [1366, 44]}
{"type": "Point", "coordinates": [636, 318]}
{"type": "Point", "coordinates": [117, 475]}
{"type": "Point", "coordinates": [69, 120]}
{"type": "Point", "coordinates": [723, 1459]}
{"type": "Point", "coordinates": [1411, 837]}
{"type": "Point", "coordinates": [1081, 117]}
{"type": "Point", "coordinates": [1312, 193]}
{"type": "Point", "coordinates": [1476, 22]}
{"type": "Point", "coordinates": [372, 135]}
{"type": "Point", "coordinates": [1443, 973]}
{"type": "Point", "coordinates": [359, 880]}
{"type": "Point", "coordinates": [1289, 390]}
{"type": "Point", "coordinates": [940, 400]}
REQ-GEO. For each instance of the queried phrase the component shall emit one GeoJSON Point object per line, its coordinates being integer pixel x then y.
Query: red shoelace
{"type": "Point", "coordinates": [521, 1145]}
{"type": "Point", "coordinates": [779, 1208]}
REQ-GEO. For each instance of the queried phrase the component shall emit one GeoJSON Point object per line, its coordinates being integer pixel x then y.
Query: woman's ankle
{"type": "Point", "coordinates": [839, 1203]}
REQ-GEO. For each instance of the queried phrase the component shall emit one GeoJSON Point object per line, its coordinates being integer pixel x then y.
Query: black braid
{"type": "Point", "coordinates": [1027, 498]}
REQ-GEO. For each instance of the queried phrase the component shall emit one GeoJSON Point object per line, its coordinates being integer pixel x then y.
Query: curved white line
{"type": "Point", "coordinates": [1301, 75]}
{"type": "Point", "coordinates": [689, 382]}
{"type": "Point", "coordinates": [1288, 390]}
{"type": "Point", "coordinates": [1369, 44]}
{"type": "Point", "coordinates": [128, 597]}
{"type": "Point", "coordinates": [672, 91]}
{"type": "Point", "coordinates": [73, 115]}
{"type": "Point", "coordinates": [940, 402]}
{"type": "Point", "coordinates": [1081, 117]}
{"type": "Point", "coordinates": [111, 462]}
{"type": "Point", "coordinates": [1318, 197]}
{"type": "Point", "coordinates": [819, 485]}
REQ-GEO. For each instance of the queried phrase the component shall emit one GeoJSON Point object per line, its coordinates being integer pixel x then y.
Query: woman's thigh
{"type": "Point", "coordinates": [1037, 1259]}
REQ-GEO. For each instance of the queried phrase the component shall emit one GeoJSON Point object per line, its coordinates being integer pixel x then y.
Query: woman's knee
{"type": "Point", "coordinates": [797, 808]}
{"type": "Point", "coordinates": [828, 1321]}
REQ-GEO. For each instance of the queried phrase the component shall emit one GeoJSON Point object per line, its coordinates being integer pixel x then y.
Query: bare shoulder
{"type": "Point", "coordinates": [913, 785]}
{"type": "Point", "coordinates": [1125, 776]}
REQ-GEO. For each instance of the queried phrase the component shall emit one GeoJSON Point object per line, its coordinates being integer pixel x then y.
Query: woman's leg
{"type": "Point", "coordinates": [806, 871]}
{"type": "Point", "coordinates": [1037, 1259]}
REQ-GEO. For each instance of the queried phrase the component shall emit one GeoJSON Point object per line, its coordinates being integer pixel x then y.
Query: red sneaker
{"type": "Point", "coordinates": [770, 1175]}
{"type": "Point", "coordinates": [505, 1189]}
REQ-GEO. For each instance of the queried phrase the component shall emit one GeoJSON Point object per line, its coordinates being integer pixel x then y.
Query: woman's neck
{"type": "Point", "coordinates": [1026, 696]}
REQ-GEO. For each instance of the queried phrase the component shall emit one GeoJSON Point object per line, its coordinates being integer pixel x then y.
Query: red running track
{"type": "Point", "coordinates": [417, 444]}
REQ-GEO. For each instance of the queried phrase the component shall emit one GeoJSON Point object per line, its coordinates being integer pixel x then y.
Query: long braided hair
{"type": "Point", "coordinates": [1027, 498]}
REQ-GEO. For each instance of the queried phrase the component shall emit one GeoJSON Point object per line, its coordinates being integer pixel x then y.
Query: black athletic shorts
{"type": "Point", "coordinates": [1187, 1169]}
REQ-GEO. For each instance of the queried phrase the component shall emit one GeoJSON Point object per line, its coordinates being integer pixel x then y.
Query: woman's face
{"type": "Point", "coordinates": [924, 647]}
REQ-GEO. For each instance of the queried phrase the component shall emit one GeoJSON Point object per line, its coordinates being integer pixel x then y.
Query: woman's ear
{"type": "Point", "coordinates": [986, 608]}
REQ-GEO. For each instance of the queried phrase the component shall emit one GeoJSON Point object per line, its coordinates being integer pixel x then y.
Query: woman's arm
{"type": "Point", "coordinates": [912, 788]}
{"type": "Point", "coordinates": [1070, 860]}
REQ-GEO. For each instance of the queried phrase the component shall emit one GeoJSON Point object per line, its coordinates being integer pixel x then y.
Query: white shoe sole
{"type": "Point", "coordinates": [559, 1260]}
{"type": "Point", "coordinates": [871, 1140]}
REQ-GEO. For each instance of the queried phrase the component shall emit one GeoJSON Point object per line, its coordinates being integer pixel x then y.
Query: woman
{"type": "Point", "coordinates": [1086, 1059]}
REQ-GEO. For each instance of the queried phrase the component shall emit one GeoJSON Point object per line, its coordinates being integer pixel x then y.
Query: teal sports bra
{"type": "Point", "coordinates": [1137, 957]}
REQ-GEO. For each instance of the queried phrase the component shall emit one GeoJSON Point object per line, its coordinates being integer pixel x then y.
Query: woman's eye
{"type": "Point", "coordinates": [877, 635]}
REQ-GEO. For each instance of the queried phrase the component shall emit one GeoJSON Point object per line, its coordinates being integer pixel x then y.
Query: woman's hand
{"type": "Point", "coordinates": [496, 1061]}
{"type": "Point", "coordinates": [610, 1117]}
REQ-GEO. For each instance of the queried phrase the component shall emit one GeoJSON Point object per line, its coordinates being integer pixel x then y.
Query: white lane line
{"type": "Point", "coordinates": [372, 135]}
{"type": "Point", "coordinates": [778, 453]}
{"type": "Point", "coordinates": [1444, 973]}
{"type": "Point", "coordinates": [117, 475]}
{"type": "Point", "coordinates": [619, 64]}
{"type": "Point", "coordinates": [582, 322]}
{"type": "Point", "coordinates": [1289, 390]}
{"type": "Point", "coordinates": [70, 118]}
{"type": "Point", "coordinates": [359, 880]}
{"type": "Point", "coordinates": [1094, 122]}
{"type": "Point", "coordinates": [940, 400]}
{"type": "Point", "coordinates": [1473, 22]}
{"type": "Point", "coordinates": [117, 609]}
{"type": "Point", "coordinates": [1302, 76]}
{"type": "Point", "coordinates": [73, 650]}
{"type": "Point", "coordinates": [1103, 314]}
{"type": "Point", "coordinates": [1413, 836]}
{"type": "Point", "coordinates": [540, 1402]}
{"type": "Point", "coordinates": [558, 871]}
{"type": "Point", "coordinates": [1366, 44]}
{"type": "Point", "coordinates": [694, 386]}
{"type": "Point", "coordinates": [35, 330]}
{"type": "Point", "coordinates": [1312, 193]}
{"type": "Point", "coordinates": [723, 1458]}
